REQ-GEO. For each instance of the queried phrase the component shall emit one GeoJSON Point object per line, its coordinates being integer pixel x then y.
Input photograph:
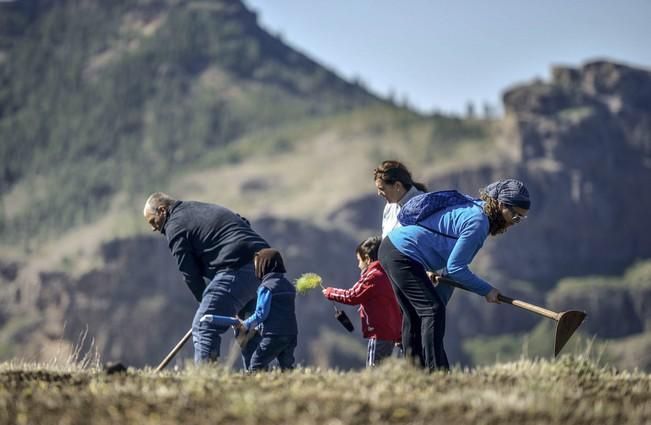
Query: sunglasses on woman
{"type": "Point", "coordinates": [516, 216]}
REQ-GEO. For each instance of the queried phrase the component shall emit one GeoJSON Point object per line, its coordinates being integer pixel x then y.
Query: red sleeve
{"type": "Point", "coordinates": [361, 291]}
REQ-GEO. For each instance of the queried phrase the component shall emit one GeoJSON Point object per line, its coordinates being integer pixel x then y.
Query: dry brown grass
{"type": "Point", "coordinates": [570, 391]}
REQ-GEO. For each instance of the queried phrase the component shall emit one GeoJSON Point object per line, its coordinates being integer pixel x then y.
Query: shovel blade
{"type": "Point", "coordinates": [568, 323]}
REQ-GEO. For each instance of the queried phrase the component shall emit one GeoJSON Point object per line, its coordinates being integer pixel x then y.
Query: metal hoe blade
{"type": "Point", "coordinates": [568, 323]}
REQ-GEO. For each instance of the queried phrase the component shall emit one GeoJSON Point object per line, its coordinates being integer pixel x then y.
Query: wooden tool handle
{"type": "Point", "coordinates": [508, 300]}
{"type": "Point", "coordinates": [175, 350]}
{"type": "Point", "coordinates": [529, 307]}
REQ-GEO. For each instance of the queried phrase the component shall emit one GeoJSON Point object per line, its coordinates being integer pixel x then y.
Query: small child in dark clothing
{"type": "Point", "coordinates": [274, 313]}
{"type": "Point", "coordinates": [378, 307]}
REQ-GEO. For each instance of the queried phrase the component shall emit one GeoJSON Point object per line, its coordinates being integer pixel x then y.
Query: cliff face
{"type": "Point", "coordinates": [584, 144]}
{"type": "Point", "coordinates": [602, 106]}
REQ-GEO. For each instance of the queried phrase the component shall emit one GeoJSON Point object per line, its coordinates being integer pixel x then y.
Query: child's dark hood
{"type": "Point", "coordinates": [268, 261]}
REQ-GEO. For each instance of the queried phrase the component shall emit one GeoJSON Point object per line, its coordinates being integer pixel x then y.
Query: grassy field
{"type": "Point", "coordinates": [569, 391]}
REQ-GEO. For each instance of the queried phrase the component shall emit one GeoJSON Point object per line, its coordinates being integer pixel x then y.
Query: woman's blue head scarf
{"type": "Point", "coordinates": [509, 192]}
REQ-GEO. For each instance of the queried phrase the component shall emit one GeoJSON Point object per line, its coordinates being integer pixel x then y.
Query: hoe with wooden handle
{"type": "Point", "coordinates": [567, 321]}
{"type": "Point", "coordinates": [175, 350]}
{"type": "Point", "coordinates": [242, 339]}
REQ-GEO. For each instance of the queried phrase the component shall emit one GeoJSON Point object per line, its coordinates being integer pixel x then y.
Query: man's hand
{"type": "Point", "coordinates": [491, 297]}
{"type": "Point", "coordinates": [433, 277]}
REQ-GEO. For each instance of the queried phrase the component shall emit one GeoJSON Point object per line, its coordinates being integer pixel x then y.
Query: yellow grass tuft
{"type": "Point", "coordinates": [307, 281]}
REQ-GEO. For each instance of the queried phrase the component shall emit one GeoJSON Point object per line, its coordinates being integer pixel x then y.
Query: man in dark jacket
{"type": "Point", "coordinates": [214, 249]}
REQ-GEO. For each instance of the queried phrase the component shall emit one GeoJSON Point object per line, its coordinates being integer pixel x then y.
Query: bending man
{"type": "Point", "coordinates": [214, 249]}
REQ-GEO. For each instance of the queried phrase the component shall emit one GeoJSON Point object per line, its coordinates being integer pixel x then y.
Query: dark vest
{"type": "Point", "coordinates": [282, 315]}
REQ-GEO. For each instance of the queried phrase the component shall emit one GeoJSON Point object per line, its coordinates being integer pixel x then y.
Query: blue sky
{"type": "Point", "coordinates": [441, 55]}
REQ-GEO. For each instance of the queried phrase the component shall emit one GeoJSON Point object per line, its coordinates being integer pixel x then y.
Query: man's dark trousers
{"type": "Point", "coordinates": [227, 293]}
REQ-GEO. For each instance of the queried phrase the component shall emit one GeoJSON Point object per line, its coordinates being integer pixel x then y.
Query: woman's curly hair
{"type": "Point", "coordinates": [494, 213]}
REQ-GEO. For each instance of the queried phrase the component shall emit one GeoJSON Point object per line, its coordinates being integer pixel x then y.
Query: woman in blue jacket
{"type": "Point", "coordinates": [448, 239]}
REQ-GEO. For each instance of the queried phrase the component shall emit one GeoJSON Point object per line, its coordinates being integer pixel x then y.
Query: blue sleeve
{"type": "Point", "coordinates": [470, 240]}
{"type": "Point", "coordinates": [181, 248]}
{"type": "Point", "coordinates": [261, 308]}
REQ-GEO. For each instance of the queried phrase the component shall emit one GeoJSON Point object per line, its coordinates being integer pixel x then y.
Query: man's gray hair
{"type": "Point", "coordinates": [158, 199]}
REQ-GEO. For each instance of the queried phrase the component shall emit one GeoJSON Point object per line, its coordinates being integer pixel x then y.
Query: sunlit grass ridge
{"type": "Point", "coordinates": [571, 390]}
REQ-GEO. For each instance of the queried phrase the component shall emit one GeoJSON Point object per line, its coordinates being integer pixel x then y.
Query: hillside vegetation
{"type": "Point", "coordinates": [131, 91]}
{"type": "Point", "coordinates": [130, 95]}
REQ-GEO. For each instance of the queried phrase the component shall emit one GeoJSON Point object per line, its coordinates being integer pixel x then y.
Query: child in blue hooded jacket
{"type": "Point", "coordinates": [274, 314]}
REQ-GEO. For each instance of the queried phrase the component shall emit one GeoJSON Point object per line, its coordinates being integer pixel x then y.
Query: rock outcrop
{"type": "Point", "coordinates": [583, 144]}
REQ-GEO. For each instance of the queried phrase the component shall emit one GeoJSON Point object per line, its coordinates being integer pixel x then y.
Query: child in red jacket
{"type": "Point", "coordinates": [378, 308]}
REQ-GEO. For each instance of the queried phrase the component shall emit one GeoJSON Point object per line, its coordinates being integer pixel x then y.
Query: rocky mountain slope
{"type": "Point", "coordinates": [194, 98]}
{"type": "Point", "coordinates": [102, 98]}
